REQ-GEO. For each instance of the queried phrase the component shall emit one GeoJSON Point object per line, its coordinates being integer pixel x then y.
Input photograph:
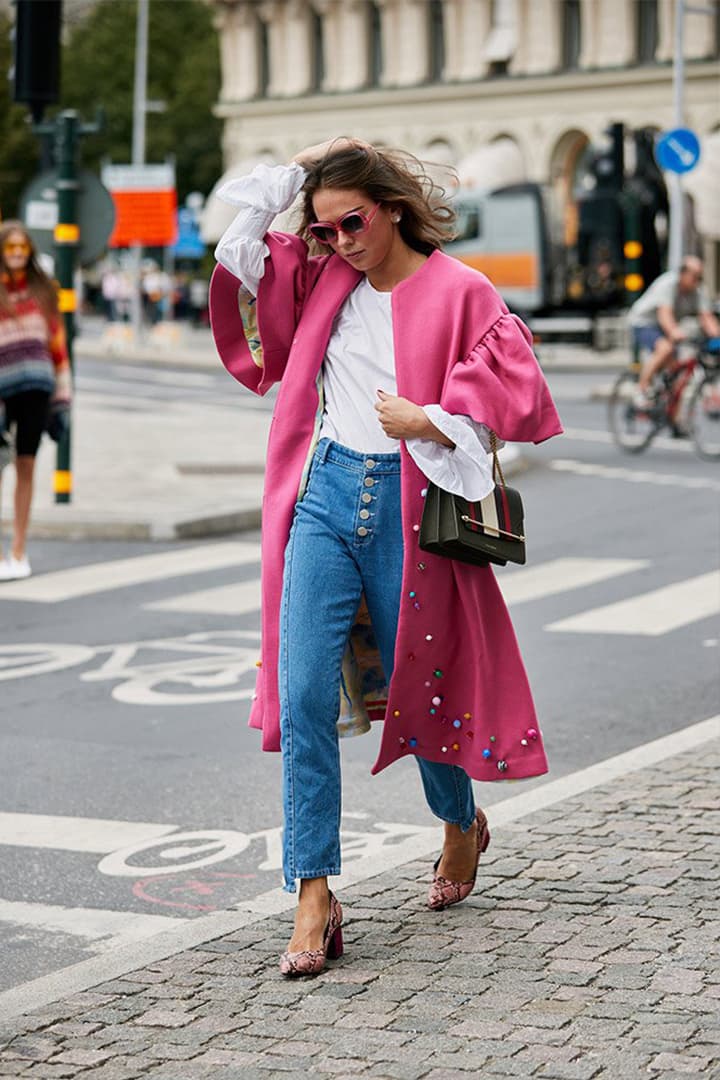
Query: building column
{"type": "Point", "coordinates": [289, 29]}
{"type": "Point", "coordinates": [607, 33]}
{"type": "Point", "coordinates": [406, 41]}
{"type": "Point", "coordinates": [238, 37]}
{"type": "Point", "coordinates": [347, 43]}
{"type": "Point", "coordinates": [539, 48]}
{"type": "Point", "coordinates": [699, 33]}
{"type": "Point", "coordinates": [467, 25]}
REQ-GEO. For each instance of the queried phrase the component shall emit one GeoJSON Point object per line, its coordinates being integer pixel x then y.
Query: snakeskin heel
{"type": "Point", "coordinates": [443, 893]}
{"type": "Point", "coordinates": [312, 961]}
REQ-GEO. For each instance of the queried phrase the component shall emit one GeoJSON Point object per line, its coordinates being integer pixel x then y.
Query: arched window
{"type": "Point", "coordinates": [376, 49]}
{"type": "Point", "coordinates": [646, 31]}
{"type": "Point", "coordinates": [570, 34]}
{"type": "Point", "coordinates": [437, 40]}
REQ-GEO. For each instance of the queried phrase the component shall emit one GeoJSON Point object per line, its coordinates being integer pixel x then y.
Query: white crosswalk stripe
{"type": "Point", "coordinates": [652, 613]}
{"type": "Point", "coordinates": [92, 924]}
{"type": "Point", "coordinates": [58, 833]}
{"type": "Point", "coordinates": [238, 599]}
{"type": "Point", "coordinates": [561, 575]}
{"type": "Point", "coordinates": [119, 573]}
{"type": "Point", "coordinates": [518, 586]}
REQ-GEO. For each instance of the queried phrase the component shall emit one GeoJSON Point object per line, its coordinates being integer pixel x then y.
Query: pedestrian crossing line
{"type": "Point", "coordinates": [635, 476]}
{"type": "Point", "coordinates": [653, 613]}
{"type": "Point", "coordinates": [562, 575]}
{"type": "Point", "coordinates": [93, 924]}
{"type": "Point", "coordinates": [238, 599]}
{"type": "Point", "coordinates": [95, 835]}
{"type": "Point", "coordinates": [519, 586]}
{"type": "Point", "coordinates": [120, 573]}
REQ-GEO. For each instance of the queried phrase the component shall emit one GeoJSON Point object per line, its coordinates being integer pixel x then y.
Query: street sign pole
{"type": "Point", "coordinates": [675, 250]}
{"type": "Point", "coordinates": [67, 238]}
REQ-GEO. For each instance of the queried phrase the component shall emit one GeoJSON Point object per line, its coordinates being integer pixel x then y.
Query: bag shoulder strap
{"type": "Point", "coordinates": [497, 468]}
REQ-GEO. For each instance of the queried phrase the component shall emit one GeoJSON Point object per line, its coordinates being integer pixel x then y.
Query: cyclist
{"type": "Point", "coordinates": [656, 318]}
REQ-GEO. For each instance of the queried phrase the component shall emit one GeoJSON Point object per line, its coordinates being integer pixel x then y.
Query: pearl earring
{"type": "Point", "coordinates": [395, 219]}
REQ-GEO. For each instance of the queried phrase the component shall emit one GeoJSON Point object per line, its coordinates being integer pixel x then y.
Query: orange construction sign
{"type": "Point", "coordinates": [145, 205]}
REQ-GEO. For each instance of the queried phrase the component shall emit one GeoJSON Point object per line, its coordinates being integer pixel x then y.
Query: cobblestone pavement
{"type": "Point", "coordinates": [589, 949]}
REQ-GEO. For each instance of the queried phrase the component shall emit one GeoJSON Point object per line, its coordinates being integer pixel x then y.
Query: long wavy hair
{"type": "Point", "coordinates": [40, 286]}
{"type": "Point", "coordinates": [392, 177]}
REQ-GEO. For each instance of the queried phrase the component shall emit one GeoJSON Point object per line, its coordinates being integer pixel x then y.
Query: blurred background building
{"type": "Point", "coordinates": [506, 91]}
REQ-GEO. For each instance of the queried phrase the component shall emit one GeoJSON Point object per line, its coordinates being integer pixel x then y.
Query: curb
{"type": "Point", "coordinates": [55, 525]}
{"type": "Point", "coordinates": [147, 356]}
{"type": "Point", "coordinates": [153, 529]}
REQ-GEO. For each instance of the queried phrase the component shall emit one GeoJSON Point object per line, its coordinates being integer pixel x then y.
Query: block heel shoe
{"type": "Point", "coordinates": [443, 893]}
{"type": "Point", "coordinates": [312, 961]}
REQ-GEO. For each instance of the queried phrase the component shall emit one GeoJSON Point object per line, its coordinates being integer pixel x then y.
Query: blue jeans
{"type": "Point", "coordinates": [346, 539]}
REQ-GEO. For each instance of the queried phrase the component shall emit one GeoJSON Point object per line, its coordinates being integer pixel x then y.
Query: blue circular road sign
{"type": "Point", "coordinates": [678, 150]}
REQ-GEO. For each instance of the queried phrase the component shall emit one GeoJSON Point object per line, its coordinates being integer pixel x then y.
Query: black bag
{"type": "Point", "coordinates": [488, 531]}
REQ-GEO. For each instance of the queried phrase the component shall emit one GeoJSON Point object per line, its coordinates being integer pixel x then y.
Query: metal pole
{"type": "Point", "coordinates": [675, 251]}
{"type": "Point", "coordinates": [67, 238]}
{"type": "Point", "coordinates": [138, 147]}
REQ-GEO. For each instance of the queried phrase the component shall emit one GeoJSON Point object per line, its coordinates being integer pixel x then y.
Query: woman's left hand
{"type": "Point", "coordinates": [402, 419]}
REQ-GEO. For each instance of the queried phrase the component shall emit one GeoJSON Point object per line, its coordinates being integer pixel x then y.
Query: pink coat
{"type": "Point", "coordinates": [456, 344]}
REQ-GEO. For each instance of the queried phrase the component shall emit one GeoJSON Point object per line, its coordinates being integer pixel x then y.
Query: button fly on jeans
{"type": "Point", "coordinates": [364, 514]}
{"type": "Point", "coordinates": [369, 482]}
{"type": "Point", "coordinates": [362, 531]}
{"type": "Point", "coordinates": [370, 463]}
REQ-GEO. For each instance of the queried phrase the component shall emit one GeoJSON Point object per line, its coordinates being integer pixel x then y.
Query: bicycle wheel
{"type": "Point", "coordinates": [631, 428]}
{"type": "Point", "coordinates": [704, 417]}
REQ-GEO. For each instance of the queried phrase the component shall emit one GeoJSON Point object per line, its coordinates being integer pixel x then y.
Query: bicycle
{"type": "Point", "coordinates": [633, 427]}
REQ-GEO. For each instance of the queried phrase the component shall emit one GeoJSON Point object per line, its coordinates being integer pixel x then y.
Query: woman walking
{"type": "Point", "coordinates": [395, 364]}
{"type": "Point", "coordinates": [34, 372]}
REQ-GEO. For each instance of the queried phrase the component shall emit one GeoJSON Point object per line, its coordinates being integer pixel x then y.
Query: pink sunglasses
{"type": "Point", "coordinates": [352, 224]}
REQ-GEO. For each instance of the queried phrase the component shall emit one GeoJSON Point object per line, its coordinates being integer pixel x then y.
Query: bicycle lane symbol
{"type": "Point", "coordinates": [180, 870]}
{"type": "Point", "coordinates": [213, 666]}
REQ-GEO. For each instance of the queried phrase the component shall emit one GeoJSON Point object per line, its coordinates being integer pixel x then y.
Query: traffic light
{"type": "Point", "coordinates": [609, 163]}
{"type": "Point", "coordinates": [37, 54]}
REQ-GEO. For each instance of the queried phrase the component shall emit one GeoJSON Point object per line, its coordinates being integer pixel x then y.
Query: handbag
{"type": "Point", "coordinates": [490, 530]}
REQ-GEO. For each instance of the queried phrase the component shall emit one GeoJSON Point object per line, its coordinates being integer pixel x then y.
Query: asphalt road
{"type": "Point", "coordinates": [123, 726]}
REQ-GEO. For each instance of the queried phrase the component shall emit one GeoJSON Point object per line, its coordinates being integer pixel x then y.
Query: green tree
{"type": "Point", "coordinates": [19, 148]}
{"type": "Point", "coordinates": [183, 71]}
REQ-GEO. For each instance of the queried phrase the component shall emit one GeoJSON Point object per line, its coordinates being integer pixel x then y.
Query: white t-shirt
{"type": "Point", "coordinates": [360, 357]}
{"type": "Point", "coordinates": [664, 292]}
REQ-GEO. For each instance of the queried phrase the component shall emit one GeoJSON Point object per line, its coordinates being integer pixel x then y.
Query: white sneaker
{"type": "Point", "coordinates": [11, 569]}
{"type": "Point", "coordinates": [642, 401]}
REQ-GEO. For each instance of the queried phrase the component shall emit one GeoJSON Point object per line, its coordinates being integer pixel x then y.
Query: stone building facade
{"type": "Point", "coordinates": [503, 90]}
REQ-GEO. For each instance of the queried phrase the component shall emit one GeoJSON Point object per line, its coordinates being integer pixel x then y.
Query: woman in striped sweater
{"type": "Point", "coordinates": [34, 371]}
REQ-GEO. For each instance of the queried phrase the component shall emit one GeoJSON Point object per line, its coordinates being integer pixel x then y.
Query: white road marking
{"type": "Point", "coordinates": [97, 835]}
{"type": "Point", "coordinates": [653, 613]}
{"type": "Point", "coordinates": [113, 964]}
{"type": "Point", "coordinates": [119, 573]}
{"type": "Point", "coordinates": [518, 586]}
{"type": "Point", "coordinates": [237, 599]}
{"type": "Point", "coordinates": [163, 851]}
{"type": "Point", "coordinates": [634, 476]}
{"type": "Point", "coordinates": [663, 442]}
{"type": "Point", "coordinates": [561, 575]}
{"type": "Point", "coordinates": [90, 923]}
